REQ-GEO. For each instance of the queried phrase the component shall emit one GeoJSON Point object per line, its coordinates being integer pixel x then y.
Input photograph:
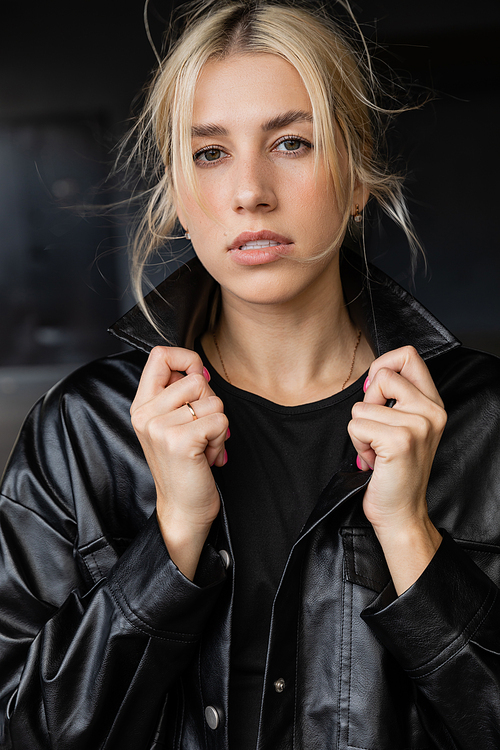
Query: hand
{"type": "Point", "coordinates": [180, 449]}
{"type": "Point", "coordinates": [399, 444]}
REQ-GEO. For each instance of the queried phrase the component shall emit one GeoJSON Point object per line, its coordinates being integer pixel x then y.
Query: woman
{"type": "Point", "coordinates": [270, 556]}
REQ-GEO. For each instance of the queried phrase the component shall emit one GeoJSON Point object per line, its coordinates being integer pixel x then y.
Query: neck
{"type": "Point", "coordinates": [290, 353]}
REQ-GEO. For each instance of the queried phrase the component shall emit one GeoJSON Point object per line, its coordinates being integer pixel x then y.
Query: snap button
{"type": "Point", "coordinates": [226, 560]}
{"type": "Point", "coordinates": [279, 685]}
{"type": "Point", "coordinates": [212, 717]}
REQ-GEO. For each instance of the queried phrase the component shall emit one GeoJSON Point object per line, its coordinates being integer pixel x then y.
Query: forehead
{"type": "Point", "coordinates": [251, 87]}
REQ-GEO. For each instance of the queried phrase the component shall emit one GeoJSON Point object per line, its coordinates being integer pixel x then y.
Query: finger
{"type": "Point", "coordinates": [365, 459]}
{"type": "Point", "coordinates": [165, 365]}
{"type": "Point", "coordinates": [215, 451]}
{"type": "Point", "coordinates": [190, 388]}
{"type": "Point", "coordinates": [190, 437]}
{"type": "Point", "coordinates": [379, 440]}
{"type": "Point", "coordinates": [411, 408]}
{"type": "Point", "coordinates": [221, 458]}
{"type": "Point", "coordinates": [362, 445]}
{"type": "Point", "coordinates": [362, 464]}
{"type": "Point", "coordinates": [212, 428]}
{"type": "Point", "coordinates": [214, 442]}
{"type": "Point", "coordinates": [216, 457]}
{"type": "Point", "coordinates": [388, 388]}
{"type": "Point", "coordinates": [407, 362]}
{"type": "Point", "coordinates": [367, 437]}
{"type": "Point", "coordinates": [170, 403]}
{"type": "Point", "coordinates": [391, 389]}
{"type": "Point", "coordinates": [393, 417]}
{"type": "Point", "coordinates": [203, 407]}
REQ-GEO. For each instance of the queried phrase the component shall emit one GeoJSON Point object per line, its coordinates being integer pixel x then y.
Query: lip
{"type": "Point", "coordinates": [264, 234]}
{"type": "Point", "coordinates": [259, 256]}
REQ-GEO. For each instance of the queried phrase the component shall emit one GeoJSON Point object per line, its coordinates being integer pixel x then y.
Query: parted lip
{"type": "Point", "coordinates": [246, 237]}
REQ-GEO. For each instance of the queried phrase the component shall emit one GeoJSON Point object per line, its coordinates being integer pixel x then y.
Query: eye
{"type": "Point", "coordinates": [209, 155]}
{"type": "Point", "coordinates": [292, 144]}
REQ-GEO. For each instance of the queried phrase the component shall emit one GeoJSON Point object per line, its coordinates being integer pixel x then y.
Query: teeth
{"type": "Point", "coordinates": [258, 244]}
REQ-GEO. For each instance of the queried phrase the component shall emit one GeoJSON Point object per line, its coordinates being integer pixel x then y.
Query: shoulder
{"type": "Point", "coordinates": [91, 407]}
{"type": "Point", "coordinates": [465, 375]}
{"type": "Point", "coordinates": [77, 438]}
{"type": "Point", "coordinates": [117, 375]}
{"type": "Point", "coordinates": [97, 393]}
{"type": "Point", "coordinates": [464, 490]}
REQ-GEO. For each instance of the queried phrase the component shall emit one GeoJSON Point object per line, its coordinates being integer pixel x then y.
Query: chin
{"type": "Point", "coordinates": [267, 293]}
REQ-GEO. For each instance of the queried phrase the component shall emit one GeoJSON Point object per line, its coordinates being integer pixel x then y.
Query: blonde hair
{"type": "Point", "coordinates": [338, 78]}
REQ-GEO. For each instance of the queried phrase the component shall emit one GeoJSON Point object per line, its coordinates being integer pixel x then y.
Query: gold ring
{"type": "Point", "coordinates": [191, 410]}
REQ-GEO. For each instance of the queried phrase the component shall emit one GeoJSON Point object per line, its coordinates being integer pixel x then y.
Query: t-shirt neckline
{"type": "Point", "coordinates": [235, 392]}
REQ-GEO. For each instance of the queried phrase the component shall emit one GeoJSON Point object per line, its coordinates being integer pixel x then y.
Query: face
{"type": "Point", "coordinates": [264, 206]}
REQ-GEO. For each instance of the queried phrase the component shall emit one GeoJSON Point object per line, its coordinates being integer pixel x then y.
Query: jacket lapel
{"type": "Point", "coordinates": [180, 307]}
{"type": "Point", "coordinates": [388, 315]}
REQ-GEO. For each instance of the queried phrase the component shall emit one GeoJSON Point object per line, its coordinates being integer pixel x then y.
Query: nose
{"type": "Point", "coordinates": [254, 189]}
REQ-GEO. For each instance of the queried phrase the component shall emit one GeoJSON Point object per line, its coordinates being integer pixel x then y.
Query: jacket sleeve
{"type": "Point", "coordinates": [85, 666]}
{"type": "Point", "coordinates": [444, 631]}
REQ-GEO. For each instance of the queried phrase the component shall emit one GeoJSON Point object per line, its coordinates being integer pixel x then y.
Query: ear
{"type": "Point", "coordinates": [359, 198]}
{"type": "Point", "coordinates": [181, 216]}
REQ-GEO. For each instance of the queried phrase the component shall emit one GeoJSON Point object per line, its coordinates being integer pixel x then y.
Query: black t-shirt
{"type": "Point", "coordinates": [280, 458]}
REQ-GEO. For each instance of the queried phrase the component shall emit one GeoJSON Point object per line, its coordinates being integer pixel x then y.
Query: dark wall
{"type": "Point", "coordinates": [68, 75]}
{"type": "Point", "coordinates": [451, 149]}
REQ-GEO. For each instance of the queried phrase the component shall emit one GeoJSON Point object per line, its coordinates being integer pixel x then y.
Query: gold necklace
{"type": "Point", "coordinates": [220, 357]}
{"type": "Point", "coordinates": [358, 339]}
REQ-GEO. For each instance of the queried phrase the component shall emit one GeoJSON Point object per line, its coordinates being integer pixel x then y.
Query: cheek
{"type": "Point", "coordinates": [310, 190]}
{"type": "Point", "coordinates": [214, 203]}
{"type": "Point", "coordinates": [315, 205]}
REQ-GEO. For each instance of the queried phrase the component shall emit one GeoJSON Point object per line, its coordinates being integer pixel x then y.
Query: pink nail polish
{"type": "Point", "coordinates": [206, 375]}
{"type": "Point", "coordinates": [228, 433]}
{"type": "Point", "coordinates": [358, 463]}
{"type": "Point", "coordinates": [366, 384]}
{"type": "Point", "coordinates": [225, 458]}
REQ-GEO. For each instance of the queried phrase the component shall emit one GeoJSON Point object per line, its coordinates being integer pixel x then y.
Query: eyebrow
{"type": "Point", "coordinates": [286, 119]}
{"type": "Point", "coordinates": [275, 123]}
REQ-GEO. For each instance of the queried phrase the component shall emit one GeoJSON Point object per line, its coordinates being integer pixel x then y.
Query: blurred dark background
{"type": "Point", "coordinates": [69, 74]}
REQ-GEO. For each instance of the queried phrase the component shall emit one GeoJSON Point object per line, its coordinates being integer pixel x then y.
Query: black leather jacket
{"type": "Point", "coordinates": [104, 643]}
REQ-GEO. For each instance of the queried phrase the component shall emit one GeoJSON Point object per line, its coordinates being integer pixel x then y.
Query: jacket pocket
{"type": "Point", "coordinates": [379, 704]}
{"type": "Point", "coordinates": [364, 560]}
{"type": "Point", "coordinates": [97, 558]}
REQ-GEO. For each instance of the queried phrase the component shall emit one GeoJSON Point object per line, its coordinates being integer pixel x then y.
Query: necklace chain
{"type": "Point", "coordinates": [358, 339]}
{"type": "Point", "coordinates": [220, 357]}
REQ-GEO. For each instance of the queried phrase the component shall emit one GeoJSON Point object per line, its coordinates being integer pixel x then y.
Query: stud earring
{"type": "Point", "coordinates": [187, 236]}
{"type": "Point", "coordinates": [357, 216]}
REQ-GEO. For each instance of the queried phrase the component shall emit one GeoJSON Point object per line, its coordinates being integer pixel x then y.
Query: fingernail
{"type": "Point", "coordinates": [225, 457]}
{"type": "Point", "coordinates": [206, 375]}
{"type": "Point", "coordinates": [360, 465]}
{"type": "Point", "coordinates": [366, 384]}
{"type": "Point", "coordinates": [228, 433]}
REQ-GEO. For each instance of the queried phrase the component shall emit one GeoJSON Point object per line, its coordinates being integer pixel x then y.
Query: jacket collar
{"type": "Point", "coordinates": [388, 315]}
